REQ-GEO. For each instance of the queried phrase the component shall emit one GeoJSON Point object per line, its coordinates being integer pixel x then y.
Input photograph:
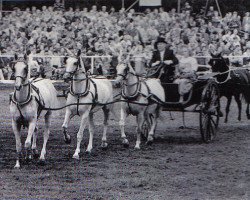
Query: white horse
{"type": "Point", "coordinates": [147, 92]}
{"type": "Point", "coordinates": [86, 90]}
{"type": "Point", "coordinates": [26, 106]}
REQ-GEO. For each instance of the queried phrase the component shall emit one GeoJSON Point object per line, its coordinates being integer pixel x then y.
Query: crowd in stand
{"type": "Point", "coordinates": [56, 31]}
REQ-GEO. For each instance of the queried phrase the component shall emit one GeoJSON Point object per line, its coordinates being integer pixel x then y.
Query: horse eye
{"type": "Point", "coordinates": [26, 70]}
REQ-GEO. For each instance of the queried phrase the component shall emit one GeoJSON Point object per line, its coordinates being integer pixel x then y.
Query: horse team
{"type": "Point", "coordinates": [32, 99]}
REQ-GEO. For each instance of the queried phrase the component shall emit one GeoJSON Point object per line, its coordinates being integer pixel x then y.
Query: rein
{"type": "Point", "coordinates": [227, 79]}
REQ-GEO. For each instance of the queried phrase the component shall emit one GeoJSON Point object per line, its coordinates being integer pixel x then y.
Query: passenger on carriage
{"type": "Point", "coordinates": [164, 59]}
{"type": "Point", "coordinates": [186, 72]}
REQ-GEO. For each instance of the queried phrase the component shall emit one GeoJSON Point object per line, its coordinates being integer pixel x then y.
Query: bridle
{"type": "Point", "coordinates": [87, 87]}
{"type": "Point", "coordinates": [77, 69]}
{"type": "Point", "coordinates": [23, 78]}
{"type": "Point", "coordinates": [137, 83]}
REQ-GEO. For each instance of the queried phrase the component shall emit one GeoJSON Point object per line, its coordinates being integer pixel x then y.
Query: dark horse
{"type": "Point", "coordinates": [234, 82]}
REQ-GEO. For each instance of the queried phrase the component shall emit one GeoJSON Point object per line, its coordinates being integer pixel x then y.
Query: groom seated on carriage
{"type": "Point", "coordinates": [186, 72]}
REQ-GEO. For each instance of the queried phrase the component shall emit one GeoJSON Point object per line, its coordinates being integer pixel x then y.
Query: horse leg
{"type": "Point", "coordinates": [238, 101]}
{"type": "Point", "coordinates": [229, 99]}
{"type": "Point", "coordinates": [91, 132]}
{"type": "Point", "coordinates": [16, 129]}
{"type": "Point", "coordinates": [34, 150]}
{"type": "Point", "coordinates": [104, 144]}
{"type": "Point", "coordinates": [31, 129]}
{"type": "Point", "coordinates": [67, 118]}
{"type": "Point", "coordinates": [125, 141]}
{"type": "Point", "coordinates": [140, 120]}
{"type": "Point", "coordinates": [247, 111]}
{"type": "Point", "coordinates": [84, 117]}
{"type": "Point", "coordinates": [153, 119]}
{"type": "Point", "coordinates": [46, 133]}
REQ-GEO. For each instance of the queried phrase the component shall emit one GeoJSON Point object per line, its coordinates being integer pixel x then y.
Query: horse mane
{"type": "Point", "coordinates": [131, 69]}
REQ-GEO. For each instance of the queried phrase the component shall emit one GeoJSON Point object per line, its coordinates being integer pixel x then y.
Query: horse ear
{"type": "Point", "coordinates": [11, 65]}
{"type": "Point", "coordinates": [65, 59]}
{"type": "Point", "coordinates": [25, 57]}
{"type": "Point", "coordinates": [16, 56]}
{"type": "Point", "coordinates": [79, 53]}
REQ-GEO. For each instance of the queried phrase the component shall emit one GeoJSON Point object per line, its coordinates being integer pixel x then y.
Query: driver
{"type": "Point", "coordinates": [164, 58]}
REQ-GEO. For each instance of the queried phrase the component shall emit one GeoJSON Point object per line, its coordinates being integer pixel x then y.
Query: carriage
{"type": "Point", "coordinates": [204, 99]}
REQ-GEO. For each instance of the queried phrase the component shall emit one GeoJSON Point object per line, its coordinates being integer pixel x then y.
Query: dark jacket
{"type": "Point", "coordinates": [168, 70]}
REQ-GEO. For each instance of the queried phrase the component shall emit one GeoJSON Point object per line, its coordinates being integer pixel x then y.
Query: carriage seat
{"type": "Point", "coordinates": [171, 92]}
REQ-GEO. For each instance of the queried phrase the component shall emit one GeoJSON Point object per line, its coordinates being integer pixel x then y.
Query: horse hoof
{"type": "Point", "coordinates": [27, 159]}
{"type": "Point", "coordinates": [42, 162]}
{"type": "Point", "coordinates": [149, 143]}
{"type": "Point", "coordinates": [35, 154]}
{"type": "Point", "coordinates": [126, 145]}
{"type": "Point", "coordinates": [104, 145]}
{"type": "Point", "coordinates": [76, 156]}
{"type": "Point", "coordinates": [137, 148]}
{"type": "Point", "coordinates": [125, 142]}
{"type": "Point", "coordinates": [88, 152]}
{"type": "Point", "coordinates": [220, 114]}
{"type": "Point", "coordinates": [67, 140]}
{"type": "Point", "coordinates": [17, 167]}
{"type": "Point", "coordinates": [143, 137]}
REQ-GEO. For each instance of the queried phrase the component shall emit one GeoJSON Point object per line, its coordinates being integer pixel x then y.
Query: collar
{"type": "Point", "coordinates": [22, 103]}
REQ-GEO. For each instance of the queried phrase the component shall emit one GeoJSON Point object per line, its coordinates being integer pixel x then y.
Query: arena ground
{"type": "Point", "coordinates": [176, 166]}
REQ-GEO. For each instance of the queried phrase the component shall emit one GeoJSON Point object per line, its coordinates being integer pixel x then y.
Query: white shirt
{"type": "Point", "coordinates": [188, 64]}
{"type": "Point", "coordinates": [162, 55]}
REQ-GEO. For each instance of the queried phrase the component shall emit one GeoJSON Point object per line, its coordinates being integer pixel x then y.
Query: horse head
{"type": "Point", "coordinates": [218, 63]}
{"type": "Point", "coordinates": [123, 70]}
{"type": "Point", "coordinates": [35, 68]}
{"type": "Point", "coordinates": [20, 71]}
{"type": "Point", "coordinates": [73, 65]}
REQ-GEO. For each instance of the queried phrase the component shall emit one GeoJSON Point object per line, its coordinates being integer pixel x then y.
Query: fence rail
{"type": "Point", "coordinates": [92, 58]}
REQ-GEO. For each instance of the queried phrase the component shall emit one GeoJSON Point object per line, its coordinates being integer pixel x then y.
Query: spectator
{"type": "Point", "coordinates": [52, 29]}
{"type": "Point", "coordinates": [59, 5]}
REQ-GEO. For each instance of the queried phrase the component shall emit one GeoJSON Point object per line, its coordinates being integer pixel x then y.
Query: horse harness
{"type": "Point", "coordinates": [85, 93]}
{"type": "Point", "coordinates": [39, 99]}
{"type": "Point", "coordinates": [129, 99]}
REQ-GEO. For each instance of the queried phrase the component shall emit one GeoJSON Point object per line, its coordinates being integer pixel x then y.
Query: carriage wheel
{"type": "Point", "coordinates": [209, 112]}
{"type": "Point", "coordinates": [145, 130]}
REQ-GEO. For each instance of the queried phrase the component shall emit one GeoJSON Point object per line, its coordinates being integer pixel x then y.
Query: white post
{"type": "Point", "coordinates": [179, 6]}
{"type": "Point", "coordinates": [1, 6]}
{"type": "Point", "coordinates": [92, 65]}
{"type": "Point", "coordinates": [123, 4]}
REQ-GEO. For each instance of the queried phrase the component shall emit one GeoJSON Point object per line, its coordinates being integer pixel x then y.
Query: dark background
{"type": "Point", "coordinates": [226, 5]}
